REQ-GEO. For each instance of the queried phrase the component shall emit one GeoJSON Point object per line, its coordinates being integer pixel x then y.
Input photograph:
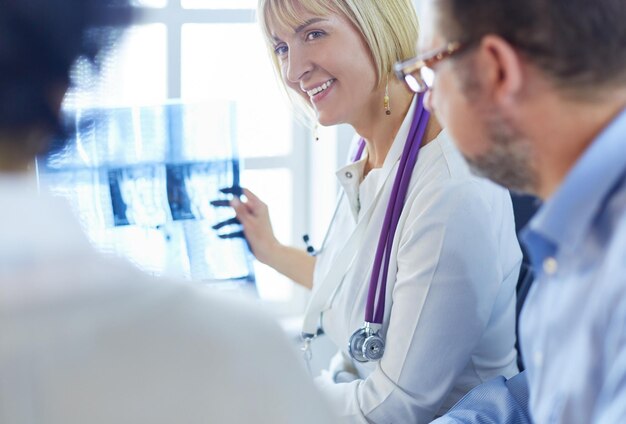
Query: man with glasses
{"type": "Point", "coordinates": [534, 93]}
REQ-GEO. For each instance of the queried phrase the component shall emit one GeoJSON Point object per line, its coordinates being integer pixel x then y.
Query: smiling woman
{"type": "Point", "coordinates": [338, 84]}
{"type": "Point", "coordinates": [436, 243]}
{"type": "Point", "coordinates": [367, 40]}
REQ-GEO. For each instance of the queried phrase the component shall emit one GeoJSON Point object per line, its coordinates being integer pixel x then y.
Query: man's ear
{"type": "Point", "coordinates": [501, 69]}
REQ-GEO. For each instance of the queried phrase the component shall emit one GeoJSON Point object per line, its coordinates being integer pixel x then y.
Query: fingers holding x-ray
{"type": "Point", "coordinates": [236, 232]}
{"type": "Point", "coordinates": [219, 203]}
{"type": "Point", "coordinates": [253, 214]}
{"type": "Point", "coordinates": [231, 221]}
{"type": "Point", "coordinates": [235, 190]}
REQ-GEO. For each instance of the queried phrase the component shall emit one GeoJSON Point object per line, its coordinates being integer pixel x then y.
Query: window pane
{"type": "Point", "coordinates": [133, 73]}
{"type": "Point", "coordinates": [150, 3]}
{"type": "Point", "coordinates": [139, 74]}
{"type": "Point", "coordinates": [219, 4]}
{"type": "Point", "coordinates": [274, 187]}
{"type": "Point", "coordinates": [230, 62]}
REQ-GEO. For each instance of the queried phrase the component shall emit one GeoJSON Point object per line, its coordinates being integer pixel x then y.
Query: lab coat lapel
{"type": "Point", "coordinates": [321, 298]}
{"type": "Point", "coordinates": [349, 178]}
{"type": "Point", "coordinates": [324, 292]}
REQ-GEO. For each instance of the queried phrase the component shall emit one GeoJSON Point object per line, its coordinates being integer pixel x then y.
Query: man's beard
{"type": "Point", "coordinates": [508, 161]}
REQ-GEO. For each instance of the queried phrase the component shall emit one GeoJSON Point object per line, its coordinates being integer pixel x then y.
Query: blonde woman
{"type": "Point", "coordinates": [448, 274]}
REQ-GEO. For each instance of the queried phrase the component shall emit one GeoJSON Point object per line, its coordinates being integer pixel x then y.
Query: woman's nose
{"type": "Point", "coordinates": [297, 66]}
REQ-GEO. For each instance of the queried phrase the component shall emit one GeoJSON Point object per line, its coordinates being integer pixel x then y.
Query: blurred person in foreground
{"type": "Point", "coordinates": [90, 339]}
{"type": "Point", "coordinates": [534, 93]}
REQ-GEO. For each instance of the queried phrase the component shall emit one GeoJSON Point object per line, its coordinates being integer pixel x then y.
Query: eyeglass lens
{"type": "Point", "coordinates": [413, 83]}
{"type": "Point", "coordinates": [428, 76]}
{"type": "Point", "coordinates": [421, 80]}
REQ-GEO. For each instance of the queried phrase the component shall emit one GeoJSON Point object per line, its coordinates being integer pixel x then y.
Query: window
{"type": "Point", "coordinates": [211, 53]}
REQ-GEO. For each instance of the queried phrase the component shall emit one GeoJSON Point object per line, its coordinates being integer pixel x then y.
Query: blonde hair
{"type": "Point", "coordinates": [389, 27]}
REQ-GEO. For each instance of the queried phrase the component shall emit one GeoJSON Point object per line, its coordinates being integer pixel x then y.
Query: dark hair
{"type": "Point", "coordinates": [40, 40]}
{"type": "Point", "coordinates": [579, 43]}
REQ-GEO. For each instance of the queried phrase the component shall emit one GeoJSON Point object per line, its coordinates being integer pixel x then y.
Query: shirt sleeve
{"type": "Point", "coordinates": [611, 403]}
{"type": "Point", "coordinates": [449, 275]}
{"type": "Point", "coordinates": [498, 401]}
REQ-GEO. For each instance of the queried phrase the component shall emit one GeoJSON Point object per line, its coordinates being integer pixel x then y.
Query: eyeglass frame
{"type": "Point", "coordinates": [410, 68]}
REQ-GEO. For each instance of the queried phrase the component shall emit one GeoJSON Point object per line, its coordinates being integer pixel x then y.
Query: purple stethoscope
{"type": "Point", "coordinates": [366, 344]}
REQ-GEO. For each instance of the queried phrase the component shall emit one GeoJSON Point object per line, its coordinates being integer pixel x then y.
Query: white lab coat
{"type": "Point", "coordinates": [88, 339]}
{"type": "Point", "coordinates": [449, 320]}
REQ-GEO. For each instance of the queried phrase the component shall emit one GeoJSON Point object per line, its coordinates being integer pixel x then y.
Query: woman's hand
{"type": "Point", "coordinates": [257, 227]}
{"type": "Point", "coordinates": [294, 263]}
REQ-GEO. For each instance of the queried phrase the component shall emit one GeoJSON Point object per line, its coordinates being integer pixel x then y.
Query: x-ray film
{"type": "Point", "coordinates": [147, 182]}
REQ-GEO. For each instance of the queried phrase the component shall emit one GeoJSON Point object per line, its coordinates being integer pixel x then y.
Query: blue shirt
{"type": "Point", "coordinates": [573, 324]}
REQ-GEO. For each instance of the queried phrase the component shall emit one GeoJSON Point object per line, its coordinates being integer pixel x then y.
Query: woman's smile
{"type": "Point", "coordinates": [320, 92]}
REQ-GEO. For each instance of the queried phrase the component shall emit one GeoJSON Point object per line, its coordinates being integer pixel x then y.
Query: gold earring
{"type": "Point", "coordinates": [386, 98]}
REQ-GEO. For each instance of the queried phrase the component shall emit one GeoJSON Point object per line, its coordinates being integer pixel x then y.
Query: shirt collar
{"type": "Point", "coordinates": [566, 217]}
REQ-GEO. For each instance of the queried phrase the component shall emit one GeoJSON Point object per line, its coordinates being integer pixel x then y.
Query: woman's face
{"type": "Point", "coordinates": [328, 63]}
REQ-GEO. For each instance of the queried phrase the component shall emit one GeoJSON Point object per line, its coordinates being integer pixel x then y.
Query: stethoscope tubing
{"type": "Point", "coordinates": [375, 306]}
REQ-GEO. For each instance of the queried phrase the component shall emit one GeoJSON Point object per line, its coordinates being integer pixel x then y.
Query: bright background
{"type": "Point", "coordinates": [213, 51]}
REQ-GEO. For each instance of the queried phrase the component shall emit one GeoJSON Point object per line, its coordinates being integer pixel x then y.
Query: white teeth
{"type": "Point", "coordinates": [321, 88]}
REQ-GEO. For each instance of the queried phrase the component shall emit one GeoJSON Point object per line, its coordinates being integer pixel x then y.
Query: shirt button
{"type": "Point", "coordinates": [538, 359]}
{"type": "Point", "coordinates": [550, 265]}
{"type": "Point", "coordinates": [348, 174]}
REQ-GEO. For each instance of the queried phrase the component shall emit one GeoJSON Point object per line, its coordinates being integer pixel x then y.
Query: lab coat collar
{"type": "Point", "coordinates": [351, 175]}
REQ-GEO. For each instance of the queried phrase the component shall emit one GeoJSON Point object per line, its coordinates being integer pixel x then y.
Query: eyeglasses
{"type": "Point", "coordinates": [418, 72]}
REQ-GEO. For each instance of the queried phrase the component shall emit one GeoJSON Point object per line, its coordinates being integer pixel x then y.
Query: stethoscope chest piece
{"type": "Point", "coordinates": [366, 345]}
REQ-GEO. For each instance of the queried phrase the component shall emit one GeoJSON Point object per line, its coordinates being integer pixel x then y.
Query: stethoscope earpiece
{"type": "Point", "coordinates": [366, 345]}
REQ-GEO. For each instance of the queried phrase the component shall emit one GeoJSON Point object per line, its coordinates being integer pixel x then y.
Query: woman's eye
{"type": "Point", "coordinates": [280, 50]}
{"type": "Point", "coordinates": [312, 35]}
